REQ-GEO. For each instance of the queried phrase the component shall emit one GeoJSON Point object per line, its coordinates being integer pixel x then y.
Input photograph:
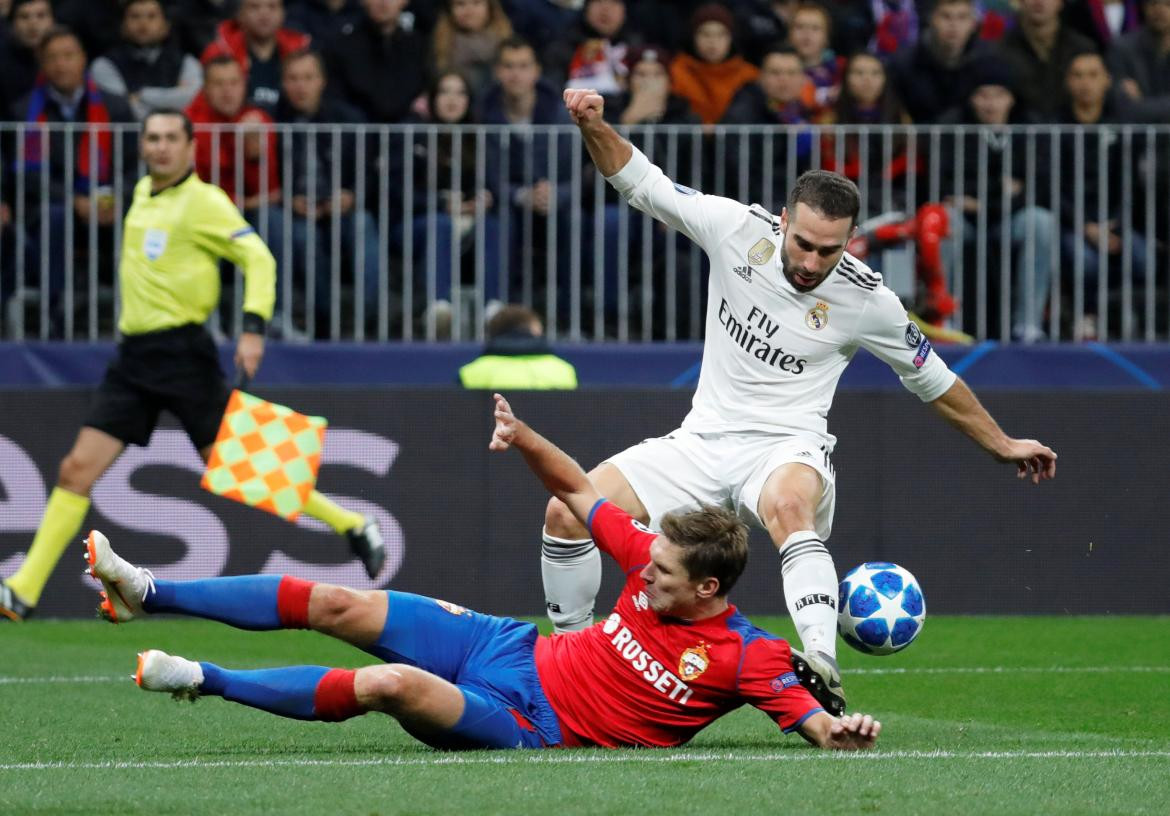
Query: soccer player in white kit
{"type": "Point", "coordinates": [787, 309]}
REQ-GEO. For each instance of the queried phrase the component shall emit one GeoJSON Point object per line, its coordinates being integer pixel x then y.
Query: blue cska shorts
{"type": "Point", "coordinates": [490, 659]}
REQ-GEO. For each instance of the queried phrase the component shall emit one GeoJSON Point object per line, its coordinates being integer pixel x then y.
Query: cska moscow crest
{"type": "Point", "coordinates": [454, 609]}
{"type": "Point", "coordinates": [694, 661]}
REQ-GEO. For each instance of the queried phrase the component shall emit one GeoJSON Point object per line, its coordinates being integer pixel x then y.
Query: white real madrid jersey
{"type": "Point", "coordinates": [773, 356]}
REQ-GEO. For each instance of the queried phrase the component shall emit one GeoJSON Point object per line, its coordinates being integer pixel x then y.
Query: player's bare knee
{"type": "Point", "coordinates": [387, 688]}
{"type": "Point", "coordinates": [332, 606]}
{"type": "Point", "coordinates": [560, 522]}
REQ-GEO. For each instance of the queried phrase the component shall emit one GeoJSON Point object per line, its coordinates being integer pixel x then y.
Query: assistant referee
{"type": "Point", "coordinates": [175, 233]}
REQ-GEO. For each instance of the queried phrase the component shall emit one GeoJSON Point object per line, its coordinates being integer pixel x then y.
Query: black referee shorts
{"type": "Point", "coordinates": [174, 370]}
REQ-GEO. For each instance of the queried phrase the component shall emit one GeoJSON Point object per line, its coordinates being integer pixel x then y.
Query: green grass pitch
{"type": "Point", "coordinates": [981, 715]}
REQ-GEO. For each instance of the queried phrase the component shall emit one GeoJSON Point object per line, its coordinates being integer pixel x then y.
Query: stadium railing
{"type": "Point", "coordinates": [594, 268]}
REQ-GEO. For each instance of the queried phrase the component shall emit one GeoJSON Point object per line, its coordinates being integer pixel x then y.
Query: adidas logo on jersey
{"type": "Point", "coordinates": [744, 272]}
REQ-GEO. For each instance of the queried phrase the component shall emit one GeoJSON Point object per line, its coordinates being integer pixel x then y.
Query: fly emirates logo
{"type": "Point", "coordinates": [756, 336]}
{"type": "Point", "coordinates": [653, 672]}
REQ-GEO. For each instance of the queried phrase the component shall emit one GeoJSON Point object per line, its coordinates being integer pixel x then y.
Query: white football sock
{"type": "Point", "coordinates": [571, 570]}
{"type": "Point", "coordinates": [810, 590]}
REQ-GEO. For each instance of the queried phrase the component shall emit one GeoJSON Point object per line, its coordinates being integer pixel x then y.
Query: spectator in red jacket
{"type": "Point", "coordinates": [259, 42]}
{"type": "Point", "coordinates": [242, 161]}
{"type": "Point", "coordinates": [224, 102]}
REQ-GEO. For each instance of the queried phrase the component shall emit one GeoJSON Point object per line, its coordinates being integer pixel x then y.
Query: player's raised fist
{"type": "Point", "coordinates": [506, 425]}
{"type": "Point", "coordinates": [585, 105]}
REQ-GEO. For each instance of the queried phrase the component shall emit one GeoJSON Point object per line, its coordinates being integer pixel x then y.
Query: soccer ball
{"type": "Point", "coordinates": [880, 608]}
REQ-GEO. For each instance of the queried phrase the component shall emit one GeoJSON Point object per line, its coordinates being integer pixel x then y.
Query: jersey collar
{"type": "Point", "coordinates": [173, 184]}
{"type": "Point", "coordinates": [722, 615]}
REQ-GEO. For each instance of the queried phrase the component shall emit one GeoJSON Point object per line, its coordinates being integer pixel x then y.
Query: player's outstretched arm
{"type": "Point", "coordinates": [961, 408]}
{"type": "Point", "coordinates": [853, 732]}
{"type": "Point", "coordinates": [562, 476]}
{"type": "Point", "coordinates": [609, 151]}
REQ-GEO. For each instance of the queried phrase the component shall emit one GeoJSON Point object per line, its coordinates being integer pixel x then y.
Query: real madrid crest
{"type": "Point", "coordinates": [760, 252]}
{"type": "Point", "coordinates": [694, 661]}
{"type": "Point", "coordinates": [818, 316]}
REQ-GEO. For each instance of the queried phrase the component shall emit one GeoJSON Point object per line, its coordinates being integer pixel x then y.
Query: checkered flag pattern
{"type": "Point", "coordinates": [266, 455]}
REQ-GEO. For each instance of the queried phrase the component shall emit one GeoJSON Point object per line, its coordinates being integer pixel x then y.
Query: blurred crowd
{"type": "Point", "coordinates": [505, 62]}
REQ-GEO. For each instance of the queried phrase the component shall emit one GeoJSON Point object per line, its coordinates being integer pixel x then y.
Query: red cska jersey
{"type": "Point", "coordinates": [642, 679]}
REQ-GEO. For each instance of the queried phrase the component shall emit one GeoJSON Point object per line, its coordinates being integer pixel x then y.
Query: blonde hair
{"type": "Point", "coordinates": [443, 38]}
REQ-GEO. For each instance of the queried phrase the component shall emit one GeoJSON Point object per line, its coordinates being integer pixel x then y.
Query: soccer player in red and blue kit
{"type": "Point", "coordinates": [671, 658]}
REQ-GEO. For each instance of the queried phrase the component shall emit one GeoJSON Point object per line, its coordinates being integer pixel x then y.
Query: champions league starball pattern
{"type": "Point", "coordinates": [880, 608]}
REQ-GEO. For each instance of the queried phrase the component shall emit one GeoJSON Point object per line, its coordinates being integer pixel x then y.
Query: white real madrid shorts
{"type": "Point", "coordinates": [683, 469]}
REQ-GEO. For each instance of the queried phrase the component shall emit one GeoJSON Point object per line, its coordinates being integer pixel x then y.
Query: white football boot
{"type": "Point", "coordinates": [159, 671]}
{"type": "Point", "coordinates": [125, 586]}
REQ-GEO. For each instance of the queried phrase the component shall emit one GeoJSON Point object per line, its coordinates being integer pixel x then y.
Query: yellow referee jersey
{"type": "Point", "coordinates": [171, 246]}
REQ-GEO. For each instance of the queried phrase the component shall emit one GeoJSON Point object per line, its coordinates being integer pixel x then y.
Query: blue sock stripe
{"type": "Point", "coordinates": [288, 691]}
{"type": "Point", "coordinates": [244, 601]}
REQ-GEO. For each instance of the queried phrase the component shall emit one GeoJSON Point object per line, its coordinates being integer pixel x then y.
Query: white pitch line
{"type": "Point", "coordinates": [553, 757]}
{"type": "Point", "coordinates": [110, 678]}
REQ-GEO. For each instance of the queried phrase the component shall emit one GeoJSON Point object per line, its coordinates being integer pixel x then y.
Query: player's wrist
{"type": "Point", "coordinates": [253, 324]}
{"type": "Point", "coordinates": [523, 436]}
{"type": "Point", "coordinates": [1000, 445]}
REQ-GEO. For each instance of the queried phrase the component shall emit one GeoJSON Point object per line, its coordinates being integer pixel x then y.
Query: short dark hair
{"type": "Point", "coordinates": [18, 3]}
{"type": "Point", "coordinates": [510, 318]}
{"type": "Point", "coordinates": [780, 47]}
{"type": "Point", "coordinates": [830, 194]}
{"type": "Point", "coordinates": [515, 43]}
{"type": "Point", "coordinates": [713, 543]}
{"type": "Point", "coordinates": [305, 53]}
{"type": "Point", "coordinates": [128, 4]}
{"type": "Point", "coordinates": [940, 3]}
{"type": "Point", "coordinates": [1087, 52]}
{"type": "Point", "coordinates": [58, 32]}
{"type": "Point", "coordinates": [220, 59]}
{"type": "Point", "coordinates": [187, 126]}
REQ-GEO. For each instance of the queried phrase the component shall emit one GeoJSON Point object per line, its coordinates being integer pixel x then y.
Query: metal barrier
{"type": "Point", "coordinates": [410, 216]}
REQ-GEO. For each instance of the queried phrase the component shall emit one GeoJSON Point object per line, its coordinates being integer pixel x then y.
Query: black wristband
{"type": "Point", "coordinates": [254, 323]}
